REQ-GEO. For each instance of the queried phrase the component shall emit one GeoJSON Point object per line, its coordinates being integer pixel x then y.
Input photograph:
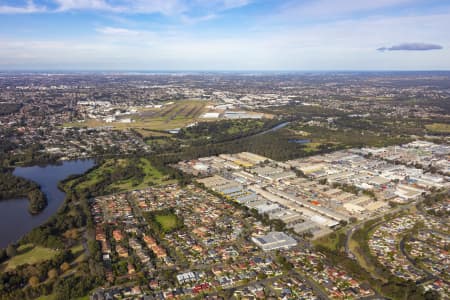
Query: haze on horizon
{"type": "Point", "coordinates": [225, 35]}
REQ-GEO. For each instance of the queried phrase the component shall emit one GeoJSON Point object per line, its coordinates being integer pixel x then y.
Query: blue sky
{"type": "Point", "coordinates": [225, 34]}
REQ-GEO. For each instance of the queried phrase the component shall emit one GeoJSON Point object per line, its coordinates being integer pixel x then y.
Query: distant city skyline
{"type": "Point", "coordinates": [310, 35]}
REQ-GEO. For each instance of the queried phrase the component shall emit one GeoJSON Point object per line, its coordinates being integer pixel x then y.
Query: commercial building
{"type": "Point", "coordinates": [274, 240]}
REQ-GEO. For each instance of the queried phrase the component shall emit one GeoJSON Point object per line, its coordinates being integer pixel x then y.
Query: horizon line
{"type": "Point", "coordinates": [208, 71]}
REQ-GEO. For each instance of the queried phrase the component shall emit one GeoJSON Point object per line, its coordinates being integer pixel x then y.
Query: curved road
{"type": "Point", "coordinates": [430, 276]}
{"type": "Point", "coordinates": [352, 230]}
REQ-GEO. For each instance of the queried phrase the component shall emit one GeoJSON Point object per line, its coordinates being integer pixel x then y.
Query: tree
{"type": "Point", "coordinates": [52, 273]}
{"type": "Point", "coordinates": [343, 223]}
{"type": "Point", "coordinates": [3, 255]}
{"type": "Point", "coordinates": [11, 251]}
{"type": "Point", "coordinates": [432, 295]}
{"type": "Point", "coordinates": [65, 267]}
{"type": "Point", "coordinates": [34, 281]}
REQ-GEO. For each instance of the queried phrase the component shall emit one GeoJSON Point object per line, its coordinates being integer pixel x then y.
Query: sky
{"type": "Point", "coordinates": [290, 35]}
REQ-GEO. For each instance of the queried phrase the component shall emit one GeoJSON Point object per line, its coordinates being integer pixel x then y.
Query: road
{"type": "Point", "coordinates": [358, 226]}
{"type": "Point", "coordinates": [315, 286]}
{"type": "Point", "coordinates": [269, 280]}
{"type": "Point", "coordinates": [430, 276]}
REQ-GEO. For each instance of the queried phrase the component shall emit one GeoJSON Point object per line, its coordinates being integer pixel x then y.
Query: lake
{"type": "Point", "coordinates": [15, 220]}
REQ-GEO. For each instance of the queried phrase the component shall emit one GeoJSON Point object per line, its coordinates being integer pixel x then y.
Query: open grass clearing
{"type": "Point", "coordinates": [77, 249]}
{"type": "Point", "coordinates": [168, 222]}
{"type": "Point", "coordinates": [95, 176]}
{"type": "Point", "coordinates": [333, 241]}
{"type": "Point", "coordinates": [355, 248]}
{"type": "Point", "coordinates": [29, 254]}
{"type": "Point", "coordinates": [438, 127]}
{"type": "Point", "coordinates": [152, 176]}
{"type": "Point", "coordinates": [147, 133]}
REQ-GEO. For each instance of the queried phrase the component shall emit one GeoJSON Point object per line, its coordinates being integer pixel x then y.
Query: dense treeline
{"type": "Point", "coordinates": [274, 145]}
{"type": "Point", "coordinates": [225, 130]}
{"type": "Point", "coordinates": [12, 186]}
{"type": "Point", "coordinates": [31, 155]}
{"type": "Point", "coordinates": [14, 283]}
{"type": "Point", "coordinates": [31, 281]}
{"type": "Point", "coordinates": [387, 126]}
{"type": "Point", "coordinates": [303, 112]}
{"type": "Point", "coordinates": [73, 214]}
{"type": "Point", "coordinates": [351, 137]}
{"type": "Point", "coordinates": [38, 201]}
{"type": "Point", "coordinates": [208, 133]}
{"type": "Point", "coordinates": [74, 287]}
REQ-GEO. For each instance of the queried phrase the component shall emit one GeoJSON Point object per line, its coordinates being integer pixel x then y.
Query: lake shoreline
{"type": "Point", "coordinates": [14, 212]}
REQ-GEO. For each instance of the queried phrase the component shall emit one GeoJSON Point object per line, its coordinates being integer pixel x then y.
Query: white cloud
{"type": "Point", "coordinates": [345, 44]}
{"type": "Point", "coordinates": [165, 7]}
{"type": "Point", "coordinates": [64, 5]}
{"type": "Point", "coordinates": [115, 31]}
{"type": "Point", "coordinates": [225, 4]}
{"type": "Point", "coordinates": [194, 20]}
{"type": "Point", "coordinates": [229, 4]}
{"type": "Point", "coordinates": [168, 7]}
{"type": "Point", "coordinates": [29, 8]}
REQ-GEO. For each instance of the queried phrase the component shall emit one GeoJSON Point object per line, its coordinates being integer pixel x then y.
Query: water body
{"type": "Point", "coordinates": [15, 220]}
{"type": "Point", "coordinates": [300, 141]}
{"type": "Point", "coordinates": [275, 128]}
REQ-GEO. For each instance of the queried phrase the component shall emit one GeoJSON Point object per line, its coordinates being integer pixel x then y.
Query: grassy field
{"type": "Point", "coordinates": [29, 254]}
{"type": "Point", "coordinates": [146, 133]}
{"type": "Point", "coordinates": [78, 252]}
{"type": "Point", "coordinates": [152, 176]}
{"type": "Point", "coordinates": [176, 115]}
{"type": "Point", "coordinates": [334, 241]}
{"type": "Point", "coordinates": [168, 222]}
{"type": "Point", "coordinates": [355, 248]}
{"type": "Point", "coordinates": [311, 147]}
{"type": "Point", "coordinates": [77, 249]}
{"type": "Point", "coordinates": [438, 127]}
{"type": "Point", "coordinates": [95, 176]}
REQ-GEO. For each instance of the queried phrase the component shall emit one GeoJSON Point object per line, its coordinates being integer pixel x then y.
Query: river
{"type": "Point", "coordinates": [275, 128]}
{"type": "Point", "coordinates": [15, 220]}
